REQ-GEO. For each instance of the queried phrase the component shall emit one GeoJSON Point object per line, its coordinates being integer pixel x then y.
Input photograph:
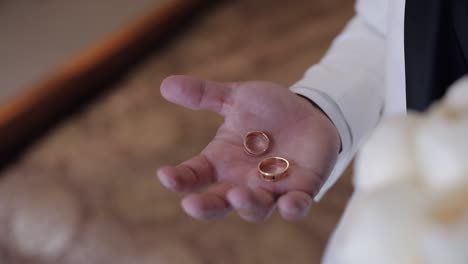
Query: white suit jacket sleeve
{"type": "Point", "coordinates": [348, 83]}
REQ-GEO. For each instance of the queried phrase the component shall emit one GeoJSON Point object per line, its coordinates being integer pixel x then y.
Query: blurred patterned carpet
{"type": "Point", "coordinates": [87, 193]}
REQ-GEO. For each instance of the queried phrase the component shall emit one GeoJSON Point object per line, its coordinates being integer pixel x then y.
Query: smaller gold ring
{"type": "Point", "coordinates": [249, 147]}
{"type": "Point", "coordinates": [273, 174]}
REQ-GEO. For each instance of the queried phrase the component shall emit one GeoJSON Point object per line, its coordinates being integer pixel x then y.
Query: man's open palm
{"type": "Point", "coordinates": [223, 177]}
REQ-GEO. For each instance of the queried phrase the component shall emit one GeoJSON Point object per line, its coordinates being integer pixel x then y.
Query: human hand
{"type": "Point", "coordinates": [223, 177]}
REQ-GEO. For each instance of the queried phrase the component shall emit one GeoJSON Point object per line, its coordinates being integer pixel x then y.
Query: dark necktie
{"type": "Point", "coordinates": [436, 48]}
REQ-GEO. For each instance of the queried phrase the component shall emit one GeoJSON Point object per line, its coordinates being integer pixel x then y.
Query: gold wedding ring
{"type": "Point", "coordinates": [256, 143]}
{"type": "Point", "coordinates": [273, 169]}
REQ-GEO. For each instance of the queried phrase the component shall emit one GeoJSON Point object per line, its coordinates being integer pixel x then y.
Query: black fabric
{"type": "Point", "coordinates": [436, 48]}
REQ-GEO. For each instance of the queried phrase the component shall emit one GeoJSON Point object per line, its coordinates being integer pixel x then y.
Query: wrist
{"type": "Point", "coordinates": [333, 129]}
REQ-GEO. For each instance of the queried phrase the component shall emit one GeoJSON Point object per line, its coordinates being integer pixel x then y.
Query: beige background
{"type": "Point", "coordinates": [37, 37]}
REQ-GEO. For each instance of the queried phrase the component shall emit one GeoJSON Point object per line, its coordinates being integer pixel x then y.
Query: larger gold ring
{"type": "Point", "coordinates": [256, 143]}
{"type": "Point", "coordinates": [273, 169]}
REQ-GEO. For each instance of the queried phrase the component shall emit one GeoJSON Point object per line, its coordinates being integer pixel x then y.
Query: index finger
{"type": "Point", "coordinates": [188, 176]}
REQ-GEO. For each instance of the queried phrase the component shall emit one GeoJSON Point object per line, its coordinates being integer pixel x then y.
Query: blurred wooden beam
{"type": "Point", "coordinates": [30, 115]}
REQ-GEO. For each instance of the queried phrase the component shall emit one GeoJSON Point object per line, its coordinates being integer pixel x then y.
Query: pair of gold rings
{"type": "Point", "coordinates": [257, 143]}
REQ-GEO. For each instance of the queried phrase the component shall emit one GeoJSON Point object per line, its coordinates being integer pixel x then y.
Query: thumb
{"type": "Point", "coordinates": [197, 94]}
